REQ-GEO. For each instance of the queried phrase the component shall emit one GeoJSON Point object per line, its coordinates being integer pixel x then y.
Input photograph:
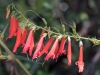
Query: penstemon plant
{"type": "Point", "coordinates": [19, 26]}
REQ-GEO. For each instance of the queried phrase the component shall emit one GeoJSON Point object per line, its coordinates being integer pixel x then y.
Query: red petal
{"type": "Point", "coordinates": [13, 27]}
{"type": "Point", "coordinates": [51, 54]}
{"type": "Point", "coordinates": [80, 65]}
{"type": "Point", "coordinates": [56, 51]}
{"type": "Point", "coordinates": [31, 45]}
{"type": "Point", "coordinates": [28, 42]}
{"type": "Point", "coordinates": [38, 47]}
{"type": "Point", "coordinates": [24, 36]}
{"type": "Point", "coordinates": [81, 54]}
{"type": "Point", "coordinates": [69, 55]}
{"type": "Point", "coordinates": [47, 46]}
{"type": "Point", "coordinates": [18, 39]}
{"type": "Point", "coordinates": [80, 62]}
{"type": "Point", "coordinates": [61, 49]}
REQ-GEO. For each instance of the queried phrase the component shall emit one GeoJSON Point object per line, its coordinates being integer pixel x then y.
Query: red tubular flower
{"type": "Point", "coordinates": [13, 27]}
{"type": "Point", "coordinates": [69, 55]}
{"type": "Point", "coordinates": [7, 13]}
{"type": "Point", "coordinates": [51, 54]}
{"type": "Point", "coordinates": [80, 62]}
{"type": "Point", "coordinates": [56, 51]}
{"type": "Point", "coordinates": [39, 46]}
{"type": "Point", "coordinates": [47, 46]}
{"type": "Point", "coordinates": [31, 45]}
{"type": "Point", "coordinates": [24, 34]}
{"type": "Point", "coordinates": [18, 39]}
{"type": "Point", "coordinates": [28, 41]}
{"type": "Point", "coordinates": [61, 49]}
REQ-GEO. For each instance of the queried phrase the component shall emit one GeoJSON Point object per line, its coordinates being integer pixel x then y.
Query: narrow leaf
{"type": "Point", "coordinates": [63, 27]}
{"type": "Point", "coordinates": [45, 22]}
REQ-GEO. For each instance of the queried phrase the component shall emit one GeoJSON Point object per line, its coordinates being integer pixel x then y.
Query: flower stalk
{"type": "Point", "coordinates": [76, 37]}
{"type": "Point", "coordinates": [17, 60]}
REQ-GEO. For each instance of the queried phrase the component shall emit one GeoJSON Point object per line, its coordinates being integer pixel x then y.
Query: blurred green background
{"type": "Point", "coordinates": [85, 13]}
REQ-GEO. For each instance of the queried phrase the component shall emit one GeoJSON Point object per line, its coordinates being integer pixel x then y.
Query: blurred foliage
{"type": "Point", "coordinates": [85, 13]}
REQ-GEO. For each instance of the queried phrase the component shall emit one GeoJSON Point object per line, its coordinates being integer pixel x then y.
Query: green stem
{"type": "Point", "coordinates": [75, 35]}
{"type": "Point", "coordinates": [45, 28]}
{"type": "Point", "coordinates": [17, 60]}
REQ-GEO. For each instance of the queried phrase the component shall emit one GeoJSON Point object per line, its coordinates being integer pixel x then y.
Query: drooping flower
{"type": "Point", "coordinates": [7, 13]}
{"type": "Point", "coordinates": [39, 45]}
{"type": "Point", "coordinates": [80, 62]}
{"type": "Point", "coordinates": [52, 54]}
{"type": "Point", "coordinates": [56, 51]}
{"type": "Point", "coordinates": [61, 49]}
{"type": "Point", "coordinates": [46, 47]}
{"type": "Point", "coordinates": [13, 27]}
{"type": "Point", "coordinates": [31, 45]}
{"type": "Point", "coordinates": [23, 37]}
{"type": "Point", "coordinates": [69, 55]}
{"type": "Point", "coordinates": [28, 41]}
{"type": "Point", "coordinates": [18, 39]}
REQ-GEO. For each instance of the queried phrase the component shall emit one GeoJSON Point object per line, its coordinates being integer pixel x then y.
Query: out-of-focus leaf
{"type": "Point", "coordinates": [45, 22]}
{"type": "Point", "coordinates": [63, 28]}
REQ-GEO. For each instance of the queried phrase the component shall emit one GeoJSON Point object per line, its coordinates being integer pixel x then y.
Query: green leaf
{"type": "Point", "coordinates": [74, 28]}
{"type": "Point", "coordinates": [94, 41]}
{"type": "Point", "coordinates": [45, 22]}
{"type": "Point", "coordinates": [57, 30]}
{"type": "Point", "coordinates": [74, 25]}
{"type": "Point", "coordinates": [63, 27]}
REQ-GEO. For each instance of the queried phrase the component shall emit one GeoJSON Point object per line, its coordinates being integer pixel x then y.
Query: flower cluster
{"type": "Point", "coordinates": [53, 43]}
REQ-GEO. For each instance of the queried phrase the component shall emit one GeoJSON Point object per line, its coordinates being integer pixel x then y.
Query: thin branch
{"type": "Point", "coordinates": [46, 29]}
{"type": "Point", "coordinates": [17, 60]}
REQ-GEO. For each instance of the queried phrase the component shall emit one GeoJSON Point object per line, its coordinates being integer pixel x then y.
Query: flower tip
{"type": "Point", "coordinates": [69, 64]}
{"type": "Point", "coordinates": [64, 52]}
{"type": "Point", "coordinates": [69, 39]}
{"type": "Point", "coordinates": [80, 43]}
{"type": "Point", "coordinates": [81, 70]}
{"type": "Point", "coordinates": [33, 58]}
{"type": "Point", "coordinates": [9, 37]}
{"type": "Point", "coordinates": [80, 66]}
{"type": "Point", "coordinates": [7, 13]}
{"type": "Point", "coordinates": [45, 59]}
{"type": "Point", "coordinates": [14, 51]}
{"type": "Point", "coordinates": [23, 52]}
{"type": "Point", "coordinates": [40, 54]}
